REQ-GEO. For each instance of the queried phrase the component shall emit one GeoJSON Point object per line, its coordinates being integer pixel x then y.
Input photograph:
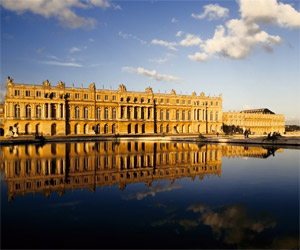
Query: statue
{"type": "Point", "coordinates": [149, 90]}
{"type": "Point", "coordinates": [46, 83]}
{"type": "Point", "coordinates": [60, 84]}
{"type": "Point", "coordinates": [122, 88]}
{"type": "Point", "coordinates": [173, 92]}
{"type": "Point", "coordinates": [10, 81]}
{"type": "Point", "coordinates": [92, 87]}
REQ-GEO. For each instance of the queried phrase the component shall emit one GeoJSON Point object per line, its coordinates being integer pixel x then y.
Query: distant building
{"type": "Point", "coordinates": [258, 121]}
{"type": "Point", "coordinates": [61, 110]}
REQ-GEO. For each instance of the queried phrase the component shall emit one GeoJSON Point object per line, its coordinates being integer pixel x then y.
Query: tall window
{"type": "Point", "coordinates": [189, 115]}
{"type": "Point", "coordinates": [142, 113]}
{"type": "Point", "coordinates": [128, 112]}
{"type": "Point", "coordinates": [177, 114]}
{"type": "Point", "coordinates": [168, 114]}
{"type": "Point", "coordinates": [114, 113]}
{"type": "Point", "coordinates": [105, 129]}
{"type": "Point", "coordinates": [61, 110]}
{"type": "Point", "coordinates": [217, 116]}
{"type": "Point", "coordinates": [135, 112]}
{"type": "Point", "coordinates": [28, 111]}
{"type": "Point", "coordinates": [113, 129]}
{"type": "Point", "coordinates": [86, 112]}
{"type": "Point", "coordinates": [106, 113]}
{"type": "Point", "coordinates": [183, 114]}
{"type": "Point", "coordinates": [17, 92]}
{"type": "Point", "coordinates": [17, 111]}
{"type": "Point", "coordinates": [161, 114]}
{"type": "Point", "coordinates": [161, 128]}
{"type": "Point", "coordinates": [38, 111]}
{"type": "Point", "coordinates": [98, 115]}
{"type": "Point", "coordinates": [211, 115]}
{"type": "Point", "coordinates": [77, 113]}
{"type": "Point", "coordinates": [27, 93]}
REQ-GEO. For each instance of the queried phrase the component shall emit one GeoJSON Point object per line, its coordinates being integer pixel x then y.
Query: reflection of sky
{"type": "Point", "coordinates": [259, 195]}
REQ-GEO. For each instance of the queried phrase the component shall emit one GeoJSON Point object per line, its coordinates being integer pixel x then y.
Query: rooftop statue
{"type": "Point", "coordinates": [92, 86]}
{"type": "Point", "coordinates": [10, 81]}
{"type": "Point", "coordinates": [46, 83]}
{"type": "Point", "coordinates": [122, 88]}
{"type": "Point", "coordinates": [60, 84]}
{"type": "Point", "coordinates": [173, 92]}
{"type": "Point", "coordinates": [148, 90]}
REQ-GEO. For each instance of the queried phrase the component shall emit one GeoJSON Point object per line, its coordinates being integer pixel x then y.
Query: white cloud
{"type": "Point", "coordinates": [74, 49]}
{"type": "Point", "coordinates": [246, 106]}
{"type": "Point", "coordinates": [179, 33]}
{"type": "Point", "coordinates": [162, 60]}
{"type": "Point", "coordinates": [191, 40]}
{"type": "Point", "coordinates": [61, 10]}
{"type": "Point", "coordinates": [270, 12]}
{"type": "Point", "coordinates": [126, 36]}
{"type": "Point", "coordinates": [165, 44]}
{"type": "Point", "coordinates": [174, 20]}
{"type": "Point", "coordinates": [213, 11]}
{"type": "Point", "coordinates": [63, 64]}
{"type": "Point", "coordinates": [152, 74]}
{"type": "Point", "coordinates": [241, 38]}
{"type": "Point", "coordinates": [92, 40]}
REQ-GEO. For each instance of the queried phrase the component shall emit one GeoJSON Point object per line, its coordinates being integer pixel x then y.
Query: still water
{"type": "Point", "coordinates": [149, 195]}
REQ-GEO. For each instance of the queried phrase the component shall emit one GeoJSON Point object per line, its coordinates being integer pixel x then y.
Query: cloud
{"type": "Point", "coordinates": [179, 33]}
{"type": "Point", "coordinates": [74, 49]}
{"type": "Point", "coordinates": [213, 11]}
{"type": "Point", "coordinates": [191, 40]}
{"type": "Point", "coordinates": [270, 12]}
{"type": "Point", "coordinates": [61, 10]}
{"type": "Point", "coordinates": [127, 36]}
{"type": "Point", "coordinates": [165, 44]}
{"type": "Point", "coordinates": [174, 20]}
{"type": "Point", "coordinates": [152, 74]}
{"type": "Point", "coordinates": [162, 60]}
{"type": "Point", "coordinates": [63, 64]}
{"type": "Point", "coordinates": [237, 43]}
{"type": "Point", "coordinates": [91, 40]}
{"type": "Point", "coordinates": [246, 106]}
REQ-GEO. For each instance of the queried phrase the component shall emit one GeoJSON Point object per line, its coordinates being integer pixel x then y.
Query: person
{"type": "Point", "coordinates": [217, 134]}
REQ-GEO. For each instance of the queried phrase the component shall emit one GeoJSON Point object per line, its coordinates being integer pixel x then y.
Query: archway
{"type": "Point", "coordinates": [77, 129]}
{"type": "Point", "coordinates": [27, 129]}
{"type": "Point", "coordinates": [37, 129]}
{"type": "Point", "coordinates": [53, 129]}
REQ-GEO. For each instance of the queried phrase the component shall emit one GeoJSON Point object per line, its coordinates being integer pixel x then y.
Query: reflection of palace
{"type": "Point", "coordinates": [58, 167]}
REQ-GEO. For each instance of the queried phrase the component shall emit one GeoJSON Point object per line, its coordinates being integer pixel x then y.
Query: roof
{"type": "Point", "coordinates": [258, 111]}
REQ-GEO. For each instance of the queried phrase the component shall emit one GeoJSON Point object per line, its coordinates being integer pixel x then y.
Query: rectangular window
{"type": "Point", "coordinates": [217, 103]}
{"type": "Point", "coordinates": [177, 101]}
{"type": "Point", "coordinates": [211, 103]}
{"type": "Point", "coordinates": [38, 94]}
{"type": "Point", "coordinates": [76, 95]}
{"type": "Point", "coordinates": [106, 97]}
{"type": "Point", "coordinates": [189, 102]}
{"type": "Point", "coordinates": [17, 92]}
{"type": "Point", "coordinates": [161, 100]}
{"type": "Point", "coordinates": [114, 98]}
{"type": "Point", "coordinates": [98, 97]}
{"type": "Point", "coordinates": [86, 96]}
{"type": "Point", "coordinates": [168, 100]}
{"type": "Point", "coordinates": [183, 101]}
{"type": "Point", "coordinates": [27, 93]}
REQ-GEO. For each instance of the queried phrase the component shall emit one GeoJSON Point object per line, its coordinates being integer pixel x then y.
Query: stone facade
{"type": "Point", "coordinates": [258, 121]}
{"type": "Point", "coordinates": [61, 110]}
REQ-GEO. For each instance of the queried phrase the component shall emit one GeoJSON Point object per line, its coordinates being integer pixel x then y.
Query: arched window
{"type": "Point", "coordinates": [114, 113]}
{"type": "Point", "coordinates": [217, 116]}
{"type": "Point", "coordinates": [77, 113]}
{"type": "Point", "coordinates": [129, 128]}
{"type": "Point", "coordinates": [142, 113]}
{"type": "Point", "coordinates": [143, 128]}
{"type": "Point", "coordinates": [189, 115]}
{"type": "Point", "coordinates": [167, 128]}
{"type": "Point", "coordinates": [53, 129]}
{"type": "Point", "coordinates": [98, 113]}
{"type": "Point", "coordinates": [177, 115]}
{"type": "Point", "coordinates": [161, 114]}
{"type": "Point", "coordinates": [135, 112]}
{"type": "Point", "coordinates": [183, 115]}
{"type": "Point", "coordinates": [86, 113]}
{"type": "Point", "coordinates": [113, 128]}
{"type": "Point", "coordinates": [211, 116]}
{"type": "Point", "coordinates": [86, 129]}
{"type": "Point", "coordinates": [183, 128]}
{"type": "Point", "coordinates": [128, 112]}
{"type": "Point", "coordinates": [189, 129]}
{"type": "Point", "coordinates": [17, 111]}
{"type": "Point", "coordinates": [203, 115]}
{"type": "Point", "coordinates": [161, 128]}
{"type": "Point", "coordinates": [53, 111]}
{"type": "Point", "coordinates": [38, 111]}
{"type": "Point", "coordinates": [98, 129]}
{"type": "Point", "coordinates": [105, 129]}
{"type": "Point", "coordinates": [106, 113]}
{"type": "Point", "coordinates": [136, 128]}
{"type": "Point", "coordinates": [168, 115]}
{"type": "Point", "coordinates": [28, 111]}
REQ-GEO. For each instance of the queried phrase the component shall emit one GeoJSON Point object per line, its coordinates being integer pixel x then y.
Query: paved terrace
{"type": "Point", "coordinates": [288, 140]}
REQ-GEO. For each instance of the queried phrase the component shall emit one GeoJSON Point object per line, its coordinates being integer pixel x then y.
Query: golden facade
{"type": "Point", "coordinates": [258, 121]}
{"type": "Point", "coordinates": [60, 167]}
{"type": "Point", "coordinates": [61, 110]}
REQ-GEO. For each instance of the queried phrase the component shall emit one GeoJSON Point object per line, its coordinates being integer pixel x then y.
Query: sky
{"type": "Point", "coordinates": [246, 50]}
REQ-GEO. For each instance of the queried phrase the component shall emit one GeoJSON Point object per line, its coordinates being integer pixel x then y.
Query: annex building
{"type": "Point", "coordinates": [59, 110]}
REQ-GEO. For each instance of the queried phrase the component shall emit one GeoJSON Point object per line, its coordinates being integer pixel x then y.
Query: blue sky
{"type": "Point", "coordinates": [248, 50]}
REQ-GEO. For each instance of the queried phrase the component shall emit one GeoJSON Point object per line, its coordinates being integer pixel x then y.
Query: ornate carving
{"type": "Point", "coordinates": [46, 83]}
{"type": "Point", "coordinates": [122, 88]}
{"type": "Point", "coordinates": [60, 84]}
{"type": "Point", "coordinates": [194, 93]}
{"type": "Point", "coordinates": [202, 94]}
{"type": "Point", "coordinates": [92, 87]}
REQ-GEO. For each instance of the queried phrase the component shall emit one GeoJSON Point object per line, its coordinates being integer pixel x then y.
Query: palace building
{"type": "Point", "coordinates": [258, 121]}
{"type": "Point", "coordinates": [61, 110]}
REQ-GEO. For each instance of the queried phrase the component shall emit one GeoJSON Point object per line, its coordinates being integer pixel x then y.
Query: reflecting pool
{"type": "Point", "coordinates": [149, 195]}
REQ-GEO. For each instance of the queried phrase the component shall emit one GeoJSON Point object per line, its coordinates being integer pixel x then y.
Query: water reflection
{"type": "Point", "coordinates": [59, 167]}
